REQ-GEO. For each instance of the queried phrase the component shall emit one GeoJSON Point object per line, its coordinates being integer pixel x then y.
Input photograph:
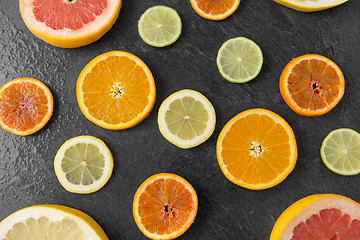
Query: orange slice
{"type": "Point", "coordinates": [116, 90]}
{"type": "Point", "coordinates": [215, 9]}
{"type": "Point", "coordinates": [312, 85]}
{"type": "Point", "coordinates": [165, 206]}
{"type": "Point", "coordinates": [320, 216]}
{"type": "Point", "coordinates": [256, 149]}
{"type": "Point", "coordinates": [69, 23]}
{"type": "Point", "coordinates": [26, 105]}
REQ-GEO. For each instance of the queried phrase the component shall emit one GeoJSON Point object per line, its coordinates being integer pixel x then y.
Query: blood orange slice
{"type": "Point", "coordinates": [165, 206]}
{"type": "Point", "coordinates": [69, 23]}
{"type": "Point", "coordinates": [26, 105]}
{"type": "Point", "coordinates": [319, 217]}
{"type": "Point", "coordinates": [312, 85]}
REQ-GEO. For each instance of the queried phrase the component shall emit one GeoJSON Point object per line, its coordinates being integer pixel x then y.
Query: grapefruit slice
{"type": "Point", "coordinates": [317, 217]}
{"type": "Point", "coordinates": [69, 23]}
{"type": "Point", "coordinates": [165, 206]}
{"type": "Point", "coordinates": [26, 105]}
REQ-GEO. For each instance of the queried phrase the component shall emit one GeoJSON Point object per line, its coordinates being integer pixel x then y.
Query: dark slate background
{"type": "Point", "coordinates": [226, 211]}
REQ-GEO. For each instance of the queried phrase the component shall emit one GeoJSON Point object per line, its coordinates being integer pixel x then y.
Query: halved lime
{"type": "Point", "coordinates": [340, 151]}
{"type": "Point", "coordinates": [159, 26]}
{"type": "Point", "coordinates": [186, 118]}
{"type": "Point", "coordinates": [239, 60]}
{"type": "Point", "coordinates": [83, 164]}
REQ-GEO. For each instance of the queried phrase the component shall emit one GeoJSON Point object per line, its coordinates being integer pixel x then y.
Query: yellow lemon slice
{"type": "Point", "coordinates": [310, 5]}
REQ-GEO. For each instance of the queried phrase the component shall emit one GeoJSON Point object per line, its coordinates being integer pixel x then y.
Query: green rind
{"type": "Point", "coordinates": [322, 154]}
{"type": "Point", "coordinates": [154, 44]}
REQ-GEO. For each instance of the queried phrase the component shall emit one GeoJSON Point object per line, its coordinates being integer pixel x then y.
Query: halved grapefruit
{"type": "Point", "coordinates": [319, 217]}
{"type": "Point", "coordinates": [69, 23]}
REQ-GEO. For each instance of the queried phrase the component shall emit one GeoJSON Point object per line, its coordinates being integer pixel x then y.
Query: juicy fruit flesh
{"type": "Point", "coordinates": [43, 229]}
{"type": "Point", "coordinates": [165, 206]}
{"type": "Point", "coordinates": [313, 84]}
{"type": "Point", "coordinates": [67, 14]}
{"type": "Point", "coordinates": [329, 224]}
{"type": "Point", "coordinates": [83, 164]}
{"type": "Point", "coordinates": [116, 90]}
{"type": "Point", "coordinates": [23, 106]}
{"type": "Point", "coordinates": [256, 149]}
{"type": "Point", "coordinates": [215, 7]}
{"type": "Point", "coordinates": [186, 118]}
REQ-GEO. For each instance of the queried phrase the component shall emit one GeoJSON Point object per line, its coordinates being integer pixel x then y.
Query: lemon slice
{"type": "Point", "coordinates": [83, 164]}
{"type": "Point", "coordinates": [50, 222]}
{"type": "Point", "coordinates": [160, 26]}
{"type": "Point", "coordinates": [310, 5]}
{"type": "Point", "coordinates": [239, 60]}
{"type": "Point", "coordinates": [340, 151]}
{"type": "Point", "coordinates": [186, 118]}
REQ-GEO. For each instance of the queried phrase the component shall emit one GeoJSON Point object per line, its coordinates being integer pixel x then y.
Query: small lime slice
{"type": "Point", "coordinates": [159, 26]}
{"type": "Point", "coordinates": [83, 164]}
{"type": "Point", "coordinates": [239, 60]}
{"type": "Point", "coordinates": [340, 151]}
{"type": "Point", "coordinates": [186, 118]}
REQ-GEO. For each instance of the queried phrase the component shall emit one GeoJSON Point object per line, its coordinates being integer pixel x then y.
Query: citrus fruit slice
{"type": "Point", "coordinates": [215, 9]}
{"type": "Point", "coordinates": [321, 216]}
{"type": "Point", "coordinates": [69, 23]}
{"type": "Point", "coordinates": [83, 164]}
{"type": "Point", "coordinates": [186, 118]}
{"type": "Point", "coordinates": [116, 90]}
{"type": "Point", "coordinates": [26, 105]}
{"type": "Point", "coordinates": [256, 149]}
{"type": "Point", "coordinates": [340, 151]}
{"type": "Point", "coordinates": [165, 206]}
{"type": "Point", "coordinates": [312, 85]}
{"type": "Point", "coordinates": [239, 60]}
{"type": "Point", "coordinates": [160, 26]}
{"type": "Point", "coordinates": [310, 5]}
{"type": "Point", "coordinates": [50, 222]}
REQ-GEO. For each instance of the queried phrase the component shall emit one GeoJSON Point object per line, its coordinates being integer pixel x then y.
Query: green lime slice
{"type": "Point", "coordinates": [239, 60]}
{"type": "Point", "coordinates": [159, 26]}
{"type": "Point", "coordinates": [340, 151]}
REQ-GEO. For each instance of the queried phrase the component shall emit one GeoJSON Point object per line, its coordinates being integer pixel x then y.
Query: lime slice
{"type": "Point", "coordinates": [186, 118]}
{"type": "Point", "coordinates": [159, 26]}
{"type": "Point", "coordinates": [83, 164]}
{"type": "Point", "coordinates": [239, 60]}
{"type": "Point", "coordinates": [340, 151]}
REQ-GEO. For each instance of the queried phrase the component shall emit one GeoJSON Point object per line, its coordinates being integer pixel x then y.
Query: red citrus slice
{"type": "Point", "coordinates": [69, 23]}
{"type": "Point", "coordinates": [319, 217]}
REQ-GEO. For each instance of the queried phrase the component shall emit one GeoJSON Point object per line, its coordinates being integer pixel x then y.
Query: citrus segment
{"type": "Point", "coordinates": [239, 60]}
{"type": "Point", "coordinates": [321, 216]}
{"type": "Point", "coordinates": [83, 164]}
{"type": "Point", "coordinates": [116, 90]}
{"type": "Point", "coordinates": [159, 26]}
{"type": "Point", "coordinates": [256, 149]}
{"type": "Point", "coordinates": [312, 85]}
{"type": "Point", "coordinates": [165, 206]}
{"type": "Point", "coordinates": [50, 222]}
{"type": "Point", "coordinates": [310, 5]}
{"type": "Point", "coordinates": [215, 9]}
{"type": "Point", "coordinates": [69, 23]}
{"type": "Point", "coordinates": [26, 105]}
{"type": "Point", "coordinates": [186, 118]}
{"type": "Point", "coordinates": [340, 151]}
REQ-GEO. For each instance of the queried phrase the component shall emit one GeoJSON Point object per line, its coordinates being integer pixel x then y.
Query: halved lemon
{"type": "Point", "coordinates": [83, 164]}
{"type": "Point", "coordinates": [310, 5]}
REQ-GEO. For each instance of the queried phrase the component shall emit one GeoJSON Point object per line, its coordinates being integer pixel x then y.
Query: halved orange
{"type": "Point", "coordinates": [215, 9]}
{"type": "Point", "coordinates": [69, 23]}
{"type": "Point", "coordinates": [165, 206]}
{"type": "Point", "coordinates": [312, 85]}
{"type": "Point", "coordinates": [116, 90]}
{"type": "Point", "coordinates": [256, 149]}
{"type": "Point", "coordinates": [26, 105]}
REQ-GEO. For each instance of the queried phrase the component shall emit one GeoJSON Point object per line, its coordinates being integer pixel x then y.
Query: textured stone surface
{"type": "Point", "coordinates": [226, 211]}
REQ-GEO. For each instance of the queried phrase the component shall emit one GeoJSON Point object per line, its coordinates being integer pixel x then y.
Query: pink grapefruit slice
{"type": "Point", "coordinates": [319, 217]}
{"type": "Point", "coordinates": [69, 23]}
